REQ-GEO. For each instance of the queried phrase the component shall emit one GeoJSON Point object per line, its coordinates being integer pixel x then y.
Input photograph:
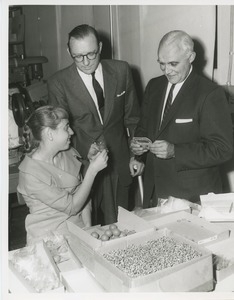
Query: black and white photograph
{"type": "Point", "coordinates": [117, 150]}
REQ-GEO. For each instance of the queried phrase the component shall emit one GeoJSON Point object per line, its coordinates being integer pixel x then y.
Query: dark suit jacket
{"type": "Point", "coordinates": [199, 125]}
{"type": "Point", "coordinates": [67, 89]}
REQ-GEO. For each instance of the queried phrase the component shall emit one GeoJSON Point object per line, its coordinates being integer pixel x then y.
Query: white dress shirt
{"type": "Point", "coordinates": [175, 91]}
{"type": "Point", "coordinates": [87, 79]}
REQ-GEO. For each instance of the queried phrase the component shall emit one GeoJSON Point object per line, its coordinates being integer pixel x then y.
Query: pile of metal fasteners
{"type": "Point", "coordinates": [151, 256]}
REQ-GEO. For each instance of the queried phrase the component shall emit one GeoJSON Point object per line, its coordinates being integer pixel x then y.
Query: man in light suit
{"type": "Point", "coordinates": [194, 136]}
{"type": "Point", "coordinates": [113, 123]}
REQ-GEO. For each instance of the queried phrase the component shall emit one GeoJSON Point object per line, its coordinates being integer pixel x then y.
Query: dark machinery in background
{"type": "Point", "coordinates": [25, 73]}
{"type": "Point", "coordinates": [27, 90]}
{"type": "Point", "coordinates": [23, 105]}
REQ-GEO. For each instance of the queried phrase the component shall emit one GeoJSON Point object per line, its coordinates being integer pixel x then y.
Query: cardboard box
{"type": "Point", "coordinates": [84, 245]}
{"type": "Point", "coordinates": [195, 275]}
{"type": "Point", "coordinates": [225, 286]}
{"type": "Point", "coordinates": [70, 271]}
{"type": "Point", "coordinates": [73, 263]}
{"type": "Point", "coordinates": [61, 252]}
{"type": "Point", "coordinates": [224, 273]}
{"type": "Point", "coordinates": [126, 221]}
{"type": "Point", "coordinates": [153, 213]}
{"type": "Point", "coordinates": [223, 253]}
{"type": "Point", "coordinates": [192, 227]}
{"type": "Point", "coordinates": [65, 260]}
{"type": "Point", "coordinates": [218, 207]}
{"type": "Point", "coordinates": [80, 281]}
{"type": "Point", "coordinates": [18, 283]}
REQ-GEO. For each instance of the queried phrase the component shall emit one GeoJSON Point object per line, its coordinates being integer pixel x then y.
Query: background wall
{"type": "Point", "coordinates": [225, 42]}
{"type": "Point", "coordinates": [134, 32]}
{"type": "Point", "coordinates": [137, 31]}
{"type": "Point", "coordinates": [47, 28]}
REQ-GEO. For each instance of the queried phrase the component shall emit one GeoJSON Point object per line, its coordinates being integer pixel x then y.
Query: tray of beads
{"type": "Point", "coordinates": [85, 242]}
{"type": "Point", "coordinates": [160, 261]}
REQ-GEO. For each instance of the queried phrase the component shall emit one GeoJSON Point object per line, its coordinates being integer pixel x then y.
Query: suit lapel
{"type": "Point", "coordinates": [81, 91]}
{"type": "Point", "coordinates": [178, 101]}
{"type": "Point", "coordinates": [156, 109]}
{"type": "Point", "coordinates": [110, 83]}
{"type": "Point", "coordinates": [161, 96]}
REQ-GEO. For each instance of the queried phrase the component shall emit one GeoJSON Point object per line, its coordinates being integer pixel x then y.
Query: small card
{"type": "Point", "coordinates": [143, 141]}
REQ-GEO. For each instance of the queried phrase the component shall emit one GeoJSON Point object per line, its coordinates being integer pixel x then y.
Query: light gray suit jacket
{"type": "Point", "coordinates": [67, 89]}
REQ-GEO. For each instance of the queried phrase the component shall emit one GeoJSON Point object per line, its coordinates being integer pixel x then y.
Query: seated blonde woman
{"type": "Point", "coordinates": [49, 175]}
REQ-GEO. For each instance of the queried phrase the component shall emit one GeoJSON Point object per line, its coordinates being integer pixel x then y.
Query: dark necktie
{"type": "Point", "coordinates": [99, 93]}
{"type": "Point", "coordinates": [168, 102]}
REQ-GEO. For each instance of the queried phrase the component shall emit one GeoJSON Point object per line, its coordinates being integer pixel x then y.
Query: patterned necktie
{"type": "Point", "coordinates": [168, 102]}
{"type": "Point", "coordinates": [99, 93]}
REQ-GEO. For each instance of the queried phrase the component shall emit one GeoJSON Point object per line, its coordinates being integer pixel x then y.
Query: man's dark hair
{"type": "Point", "coordinates": [81, 31]}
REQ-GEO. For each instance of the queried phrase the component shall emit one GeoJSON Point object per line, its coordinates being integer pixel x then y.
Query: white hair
{"type": "Point", "coordinates": [178, 36]}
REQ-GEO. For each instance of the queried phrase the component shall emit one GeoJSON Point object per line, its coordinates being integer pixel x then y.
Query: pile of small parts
{"type": "Point", "coordinates": [58, 247]}
{"type": "Point", "coordinates": [152, 256]}
{"type": "Point", "coordinates": [112, 232]}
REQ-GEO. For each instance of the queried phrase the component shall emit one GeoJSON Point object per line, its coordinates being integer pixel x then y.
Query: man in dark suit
{"type": "Point", "coordinates": [191, 136]}
{"type": "Point", "coordinates": [103, 105]}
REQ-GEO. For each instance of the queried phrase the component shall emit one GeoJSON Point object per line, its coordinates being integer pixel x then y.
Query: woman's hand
{"type": "Point", "coordinates": [99, 161]}
{"type": "Point", "coordinates": [93, 150]}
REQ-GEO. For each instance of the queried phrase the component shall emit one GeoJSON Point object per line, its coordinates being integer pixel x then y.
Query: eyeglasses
{"type": "Point", "coordinates": [89, 56]}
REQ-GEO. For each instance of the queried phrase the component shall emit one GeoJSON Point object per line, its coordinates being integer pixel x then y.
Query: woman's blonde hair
{"type": "Point", "coordinates": [44, 116]}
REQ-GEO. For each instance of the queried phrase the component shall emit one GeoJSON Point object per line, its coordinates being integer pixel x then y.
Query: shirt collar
{"type": "Point", "coordinates": [179, 85]}
{"type": "Point", "coordinates": [98, 72]}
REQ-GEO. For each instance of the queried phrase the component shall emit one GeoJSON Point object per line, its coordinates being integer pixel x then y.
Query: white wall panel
{"type": "Point", "coordinates": [137, 31]}
{"type": "Point", "coordinates": [224, 44]}
{"type": "Point", "coordinates": [47, 28]}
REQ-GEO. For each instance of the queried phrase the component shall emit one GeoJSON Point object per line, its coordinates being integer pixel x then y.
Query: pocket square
{"type": "Point", "coordinates": [121, 94]}
{"type": "Point", "coordinates": [183, 121]}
